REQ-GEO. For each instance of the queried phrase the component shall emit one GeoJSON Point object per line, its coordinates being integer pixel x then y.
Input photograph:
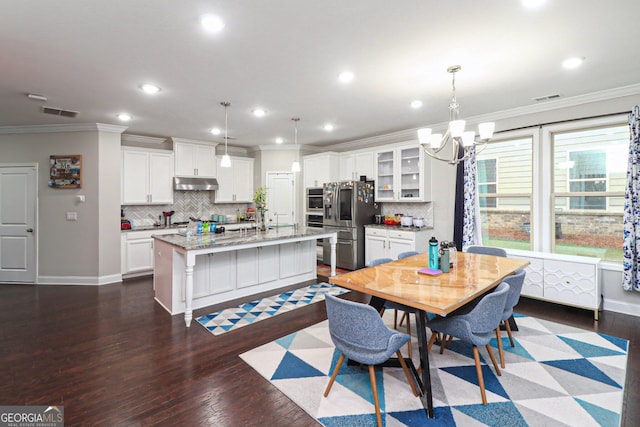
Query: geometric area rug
{"type": "Point", "coordinates": [556, 375]}
{"type": "Point", "coordinates": [250, 312]}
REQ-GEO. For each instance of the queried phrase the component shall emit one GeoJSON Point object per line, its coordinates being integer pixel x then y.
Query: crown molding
{"type": "Point", "coordinates": [556, 104]}
{"type": "Point", "coordinates": [142, 139]}
{"type": "Point", "coordinates": [279, 147]}
{"type": "Point", "coordinates": [76, 127]}
{"type": "Point", "coordinates": [193, 141]}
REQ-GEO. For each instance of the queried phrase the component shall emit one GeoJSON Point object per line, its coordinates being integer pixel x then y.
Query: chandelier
{"type": "Point", "coordinates": [461, 141]}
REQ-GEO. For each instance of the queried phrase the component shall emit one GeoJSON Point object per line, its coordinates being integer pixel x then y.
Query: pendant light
{"type": "Point", "coordinates": [226, 160]}
{"type": "Point", "coordinates": [295, 166]}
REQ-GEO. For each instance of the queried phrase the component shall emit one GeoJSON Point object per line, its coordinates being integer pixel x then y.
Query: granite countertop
{"type": "Point", "coordinates": [154, 227]}
{"type": "Point", "coordinates": [398, 227]}
{"type": "Point", "coordinates": [232, 238]}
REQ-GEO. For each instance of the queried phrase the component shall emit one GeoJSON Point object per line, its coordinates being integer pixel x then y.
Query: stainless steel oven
{"type": "Point", "coordinates": [314, 199]}
{"type": "Point", "coordinates": [315, 221]}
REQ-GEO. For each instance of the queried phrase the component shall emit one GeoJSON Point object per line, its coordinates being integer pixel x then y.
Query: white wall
{"type": "Point", "coordinates": [83, 251]}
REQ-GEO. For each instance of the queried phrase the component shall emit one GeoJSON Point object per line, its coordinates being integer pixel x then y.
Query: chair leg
{"type": "Point", "coordinates": [476, 357]}
{"type": "Point", "coordinates": [408, 333]}
{"type": "Point", "coordinates": [407, 373]}
{"type": "Point", "coordinates": [508, 327]}
{"type": "Point", "coordinates": [374, 388]}
{"type": "Point", "coordinates": [402, 318]}
{"type": "Point", "coordinates": [395, 319]}
{"type": "Point", "coordinates": [500, 349]}
{"type": "Point", "coordinates": [493, 359]}
{"type": "Point", "coordinates": [444, 342]}
{"type": "Point", "coordinates": [334, 375]}
{"type": "Point", "coordinates": [434, 337]}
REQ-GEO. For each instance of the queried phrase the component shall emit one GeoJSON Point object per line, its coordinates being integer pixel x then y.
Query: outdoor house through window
{"type": "Point", "coordinates": [573, 202]}
{"type": "Point", "coordinates": [505, 176]}
{"type": "Point", "coordinates": [589, 177]}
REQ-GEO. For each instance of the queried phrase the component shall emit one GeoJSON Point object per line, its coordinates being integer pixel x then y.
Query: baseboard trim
{"type": "Point", "coordinates": [79, 280]}
{"type": "Point", "coordinates": [621, 307]}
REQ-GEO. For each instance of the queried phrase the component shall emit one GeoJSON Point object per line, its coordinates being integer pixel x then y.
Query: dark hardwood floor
{"type": "Point", "coordinates": [112, 356]}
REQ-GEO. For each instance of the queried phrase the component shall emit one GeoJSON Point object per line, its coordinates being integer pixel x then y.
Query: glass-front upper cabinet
{"type": "Point", "coordinates": [385, 175]}
{"type": "Point", "coordinates": [402, 175]}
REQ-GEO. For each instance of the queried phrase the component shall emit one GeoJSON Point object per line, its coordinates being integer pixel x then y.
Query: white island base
{"type": "Point", "coordinates": [192, 274]}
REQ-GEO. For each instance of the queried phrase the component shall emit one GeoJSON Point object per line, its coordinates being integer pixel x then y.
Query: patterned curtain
{"type": "Point", "coordinates": [471, 234]}
{"type": "Point", "coordinates": [631, 247]}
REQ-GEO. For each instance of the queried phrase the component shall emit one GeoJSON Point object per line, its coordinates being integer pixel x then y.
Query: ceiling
{"type": "Point", "coordinates": [284, 56]}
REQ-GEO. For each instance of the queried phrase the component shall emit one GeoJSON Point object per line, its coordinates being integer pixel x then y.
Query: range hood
{"type": "Point", "coordinates": [194, 183]}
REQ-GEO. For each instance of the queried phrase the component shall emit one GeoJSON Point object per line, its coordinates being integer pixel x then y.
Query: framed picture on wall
{"type": "Point", "coordinates": [65, 171]}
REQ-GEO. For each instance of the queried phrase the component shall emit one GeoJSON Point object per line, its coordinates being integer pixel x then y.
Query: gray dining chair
{"type": "Point", "coordinates": [476, 327]}
{"type": "Point", "coordinates": [395, 306]}
{"type": "Point", "coordinates": [359, 334]}
{"type": "Point", "coordinates": [486, 250]}
{"type": "Point", "coordinates": [406, 254]}
{"type": "Point", "coordinates": [515, 282]}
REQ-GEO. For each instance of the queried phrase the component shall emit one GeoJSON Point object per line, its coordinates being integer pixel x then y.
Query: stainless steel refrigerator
{"type": "Point", "coordinates": [347, 207]}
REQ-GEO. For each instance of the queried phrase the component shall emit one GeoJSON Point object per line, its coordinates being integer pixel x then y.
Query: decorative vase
{"type": "Point", "coordinates": [263, 221]}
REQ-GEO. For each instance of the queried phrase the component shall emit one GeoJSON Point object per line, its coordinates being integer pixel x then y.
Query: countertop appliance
{"type": "Point", "coordinates": [314, 199]}
{"type": "Point", "coordinates": [347, 207]}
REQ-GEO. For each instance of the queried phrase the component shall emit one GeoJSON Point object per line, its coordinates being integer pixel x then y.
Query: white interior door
{"type": "Point", "coordinates": [280, 198]}
{"type": "Point", "coordinates": [17, 224]}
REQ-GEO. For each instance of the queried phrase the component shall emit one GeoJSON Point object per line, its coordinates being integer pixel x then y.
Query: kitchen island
{"type": "Point", "coordinates": [198, 271]}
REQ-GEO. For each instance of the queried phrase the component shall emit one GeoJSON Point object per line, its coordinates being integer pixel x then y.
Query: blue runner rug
{"type": "Point", "coordinates": [556, 375]}
{"type": "Point", "coordinates": [245, 314]}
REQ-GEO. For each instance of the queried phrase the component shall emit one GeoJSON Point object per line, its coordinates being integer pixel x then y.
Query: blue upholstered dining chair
{"type": "Point", "coordinates": [359, 333]}
{"type": "Point", "coordinates": [515, 282]}
{"type": "Point", "coordinates": [476, 327]}
{"type": "Point", "coordinates": [486, 250]}
{"type": "Point", "coordinates": [406, 254]}
{"type": "Point", "coordinates": [395, 306]}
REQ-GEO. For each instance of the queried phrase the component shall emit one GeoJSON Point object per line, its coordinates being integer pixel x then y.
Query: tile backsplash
{"type": "Point", "coordinates": [416, 210]}
{"type": "Point", "coordinates": [185, 204]}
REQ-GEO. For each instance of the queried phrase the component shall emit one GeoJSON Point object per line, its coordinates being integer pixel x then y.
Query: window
{"type": "Point", "coordinates": [505, 209]}
{"type": "Point", "coordinates": [487, 181]}
{"type": "Point", "coordinates": [588, 190]}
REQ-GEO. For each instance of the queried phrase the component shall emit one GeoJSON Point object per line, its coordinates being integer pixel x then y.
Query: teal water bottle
{"type": "Point", "coordinates": [433, 253]}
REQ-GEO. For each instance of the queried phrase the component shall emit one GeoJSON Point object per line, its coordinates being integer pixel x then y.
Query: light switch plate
{"type": "Point", "coordinates": [72, 216]}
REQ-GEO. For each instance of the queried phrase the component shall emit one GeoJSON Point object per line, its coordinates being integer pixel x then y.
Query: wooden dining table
{"type": "Point", "coordinates": [401, 282]}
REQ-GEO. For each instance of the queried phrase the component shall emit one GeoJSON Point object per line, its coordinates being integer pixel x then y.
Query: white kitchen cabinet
{"type": "Point", "coordinates": [137, 251]}
{"type": "Point", "coordinates": [402, 174]}
{"type": "Point", "coordinates": [265, 258]}
{"type": "Point", "coordinates": [297, 258]}
{"type": "Point", "coordinates": [320, 168]}
{"type": "Point", "coordinates": [147, 176]}
{"type": "Point", "coordinates": [563, 279]}
{"type": "Point", "coordinates": [355, 165]}
{"type": "Point", "coordinates": [194, 158]}
{"type": "Point", "coordinates": [389, 242]}
{"type": "Point", "coordinates": [235, 184]}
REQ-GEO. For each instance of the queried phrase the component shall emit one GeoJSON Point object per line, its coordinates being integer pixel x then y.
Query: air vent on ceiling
{"type": "Point", "coordinates": [547, 97]}
{"type": "Point", "coordinates": [59, 112]}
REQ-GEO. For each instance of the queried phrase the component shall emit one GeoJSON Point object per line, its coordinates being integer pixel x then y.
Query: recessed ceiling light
{"type": "Point", "coordinates": [216, 131]}
{"type": "Point", "coordinates": [416, 104]}
{"type": "Point", "coordinates": [279, 140]}
{"type": "Point", "coordinates": [572, 63]}
{"type": "Point", "coordinates": [328, 127]}
{"type": "Point", "coordinates": [259, 112]}
{"type": "Point", "coordinates": [212, 23]}
{"type": "Point", "coordinates": [345, 77]}
{"type": "Point", "coordinates": [149, 88]}
{"type": "Point", "coordinates": [531, 4]}
{"type": "Point", "coordinates": [125, 117]}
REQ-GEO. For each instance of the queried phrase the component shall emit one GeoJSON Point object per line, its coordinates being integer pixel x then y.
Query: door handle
{"type": "Point", "coordinates": [29, 230]}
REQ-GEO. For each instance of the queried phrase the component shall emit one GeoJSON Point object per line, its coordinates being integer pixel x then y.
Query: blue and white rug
{"type": "Point", "coordinates": [556, 375]}
{"type": "Point", "coordinates": [245, 314]}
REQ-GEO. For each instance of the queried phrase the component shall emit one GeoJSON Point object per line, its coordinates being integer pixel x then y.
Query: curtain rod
{"type": "Point", "coordinates": [564, 121]}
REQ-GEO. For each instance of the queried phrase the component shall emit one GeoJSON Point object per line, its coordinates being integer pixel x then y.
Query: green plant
{"type": "Point", "coordinates": [260, 199]}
